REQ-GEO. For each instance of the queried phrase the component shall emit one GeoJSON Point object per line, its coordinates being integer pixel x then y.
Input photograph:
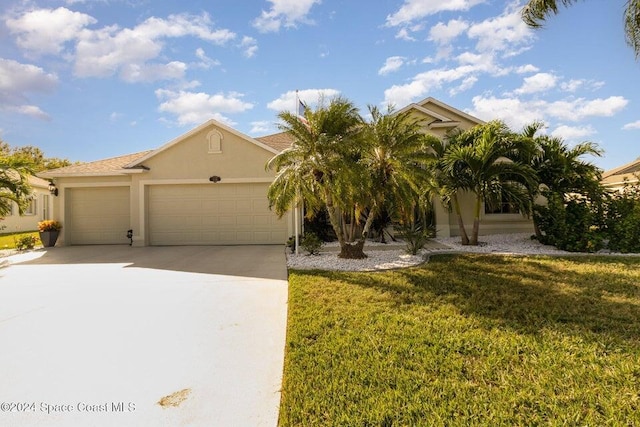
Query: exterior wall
{"type": "Point", "coordinates": [189, 161]}
{"type": "Point", "coordinates": [29, 221]}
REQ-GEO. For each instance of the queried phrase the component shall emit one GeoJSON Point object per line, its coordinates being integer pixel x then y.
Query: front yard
{"type": "Point", "coordinates": [466, 340]}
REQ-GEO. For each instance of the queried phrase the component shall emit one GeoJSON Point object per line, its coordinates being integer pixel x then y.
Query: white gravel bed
{"type": "Point", "coordinates": [499, 244]}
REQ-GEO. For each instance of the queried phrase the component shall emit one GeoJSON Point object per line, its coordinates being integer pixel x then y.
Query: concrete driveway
{"type": "Point", "coordinates": [158, 336]}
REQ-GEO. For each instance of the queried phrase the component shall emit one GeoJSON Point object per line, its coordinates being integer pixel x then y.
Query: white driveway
{"type": "Point", "coordinates": [164, 336]}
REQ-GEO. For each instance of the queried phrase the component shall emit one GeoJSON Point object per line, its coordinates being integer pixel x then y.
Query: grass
{"type": "Point", "coordinates": [8, 240]}
{"type": "Point", "coordinates": [466, 340]}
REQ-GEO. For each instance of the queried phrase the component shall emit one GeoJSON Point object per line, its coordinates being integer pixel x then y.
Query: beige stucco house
{"type": "Point", "coordinates": [39, 209]}
{"type": "Point", "coordinates": [615, 178]}
{"type": "Point", "coordinates": [209, 187]}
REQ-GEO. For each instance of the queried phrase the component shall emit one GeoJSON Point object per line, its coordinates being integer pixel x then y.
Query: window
{"type": "Point", "coordinates": [32, 209]}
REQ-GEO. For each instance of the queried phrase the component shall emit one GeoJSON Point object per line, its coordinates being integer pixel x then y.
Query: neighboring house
{"type": "Point", "coordinates": [209, 187]}
{"type": "Point", "coordinates": [615, 178]}
{"type": "Point", "coordinates": [39, 209]}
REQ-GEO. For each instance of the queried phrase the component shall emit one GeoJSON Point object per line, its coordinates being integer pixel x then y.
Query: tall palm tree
{"type": "Point", "coordinates": [480, 162]}
{"type": "Point", "coordinates": [14, 185]}
{"type": "Point", "coordinates": [535, 12]}
{"type": "Point", "coordinates": [395, 154]}
{"type": "Point", "coordinates": [321, 165]}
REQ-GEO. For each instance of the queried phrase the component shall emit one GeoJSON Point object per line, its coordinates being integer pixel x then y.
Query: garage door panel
{"type": "Point", "coordinates": [223, 214]}
{"type": "Point", "coordinates": [97, 215]}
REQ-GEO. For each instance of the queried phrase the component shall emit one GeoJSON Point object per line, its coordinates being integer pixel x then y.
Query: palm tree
{"type": "Point", "coordinates": [395, 155]}
{"type": "Point", "coordinates": [321, 165]}
{"type": "Point", "coordinates": [480, 162]}
{"type": "Point", "coordinates": [535, 12]}
{"type": "Point", "coordinates": [445, 182]}
{"type": "Point", "coordinates": [14, 185]}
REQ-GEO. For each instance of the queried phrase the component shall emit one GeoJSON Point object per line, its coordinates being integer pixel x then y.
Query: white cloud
{"type": "Point", "coordinates": [45, 31]}
{"type": "Point", "coordinates": [445, 33]}
{"type": "Point", "coordinates": [310, 97]}
{"type": "Point", "coordinates": [250, 46]}
{"type": "Point", "coordinates": [403, 34]}
{"type": "Point", "coordinates": [537, 83]}
{"type": "Point", "coordinates": [196, 108]}
{"type": "Point", "coordinates": [632, 125]}
{"type": "Point", "coordinates": [574, 84]}
{"type": "Point", "coordinates": [261, 127]}
{"type": "Point", "coordinates": [518, 113]}
{"type": "Point", "coordinates": [205, 61]}
{"type": "Point", "coordinates": [465, 85]}
{"type": "Point", "coordinates": [525, 69]}
{"type": "Point", "coordinates": [393, 63]}
{"type": "Point", "coordinates": [505, 33]}
{"type": "Point", "coordinates": [17, 80]}
{"type": "Point", "coordinates": [573, 132]}
{"type": "Point", "coordinates": [286, 13]}
{"type": "Point", "coordinates": [413, 10]}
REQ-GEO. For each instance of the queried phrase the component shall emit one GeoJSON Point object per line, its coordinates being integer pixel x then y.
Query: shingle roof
{"type": "Point", "coordinates": [278, 141]}
{"type": "Point", "coordinates": [616, 176]}
{"type": "Point", "coordinates": [114, 165]}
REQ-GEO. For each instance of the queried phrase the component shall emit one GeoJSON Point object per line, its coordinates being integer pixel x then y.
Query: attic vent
{"type": "Point", "coordinates": [214, 138]}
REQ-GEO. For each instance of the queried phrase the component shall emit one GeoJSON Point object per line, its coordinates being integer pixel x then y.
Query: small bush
{"type": "Point", "coordinates": [311, 243]}
{"type": "Point", "coordinates": [26, 242]}
{"type": "Point", "coordinates": [623, 219]}
{"type": "Point", "coordinates": [415, 236]}
{"type": "Point", "coordinates": [291, 244]}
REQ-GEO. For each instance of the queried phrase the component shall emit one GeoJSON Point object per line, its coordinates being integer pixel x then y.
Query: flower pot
{"type": "Point", "coordinates": [49, 238]}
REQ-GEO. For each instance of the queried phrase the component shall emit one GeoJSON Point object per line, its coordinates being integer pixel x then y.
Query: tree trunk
{"type": "Point", "coordinates": [352, 251]}
{"type": "Point", "coordinates": [476, 221]}
{"type": "Point", "coordinates": [334, 218]}
{"type": "Point", "coordinates": [463, 233]}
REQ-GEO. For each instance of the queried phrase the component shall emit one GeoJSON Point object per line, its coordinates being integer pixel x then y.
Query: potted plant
{"type": "Point", "coordinates": [49, 231]}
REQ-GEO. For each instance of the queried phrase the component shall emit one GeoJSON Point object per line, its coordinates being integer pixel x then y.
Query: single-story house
{"type": "Point", "coordinates": [40, 208]}
{"type": "Point", "coordinates": [615, 178]}
{"type": "Point", "coordinates": [208, 187]}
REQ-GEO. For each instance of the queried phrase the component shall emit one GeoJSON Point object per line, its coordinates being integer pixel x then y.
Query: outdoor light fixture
{"type": "Point", "coordinates": [52, 188]}
{"type": "Point", "coordinates": [130, 236]}
{"type": "Point", "coordinates": [214, 178]}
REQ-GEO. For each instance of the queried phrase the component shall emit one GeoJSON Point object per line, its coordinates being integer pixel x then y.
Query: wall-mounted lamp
{"type": "Point", "coordinates": [130, 237]}
{"type": "Point", "coordinates": [215, 178]}
{"type": "Point", "coordinates": [53, 189]}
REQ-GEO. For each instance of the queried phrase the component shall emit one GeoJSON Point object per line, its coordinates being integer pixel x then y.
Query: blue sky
{"type": "Point", "coordinates": [90, 79]}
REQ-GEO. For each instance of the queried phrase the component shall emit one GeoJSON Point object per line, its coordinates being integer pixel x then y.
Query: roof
{"type": "Point", "coordinates": [34, 181]}
{"type": "Point", "coordinates": [440, 120]}
{"type": "Point", "coordinates": [112, 166]}
{"type": "Point", "coordinates": [278, 141]}
{"type": "Point", "coordinates": [618, 175]}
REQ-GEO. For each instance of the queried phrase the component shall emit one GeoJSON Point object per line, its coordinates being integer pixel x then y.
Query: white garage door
{"type": "Point", "coordinates": [213, 214]}
{"type": "Point", "coordinates": [97, 216]}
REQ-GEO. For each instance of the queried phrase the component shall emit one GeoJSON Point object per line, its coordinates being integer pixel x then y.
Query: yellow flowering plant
{"type": "Point", "coordinates": [49, 225]}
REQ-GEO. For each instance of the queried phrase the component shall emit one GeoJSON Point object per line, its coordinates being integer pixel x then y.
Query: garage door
{"type": "Point", "coordinates": [97, 216]}
{"type": "Point", "coordinates": [214, 214]}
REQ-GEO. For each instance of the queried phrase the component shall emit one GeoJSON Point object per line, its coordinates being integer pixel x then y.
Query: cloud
{"type": "Point", "coordinates": [205, 61]}
{"type": "Point", "coordinates": [524, 69]}
{"type": "Point", "coordinates": [506, 33]}
{"type": "Point", "coordinates": [413, 10]}
{"type": "Point", "coordinates": [261, 127]}
{"type": "Point", "coordinates": [465, 85]}
{"type": "Point", "coordinates": [17, 80]}
{"type": "Point", "coordinates": [445, 33]}
{"type": "Point", "coordinates": [574, 84]}
{"type": "Point", "coordinates": [286, 13]}
{"type": "Point", "coordinates": [632, 125]}
{"type": "Point", "coordinates": [573, 132]}
{"type": "Point", "coordinates": [310, 97]}
{"type": "Point", "coordinates": [198, 107]}
{"type": "Point", "coordinates": [250, 46]}
{"type": "Point", "coordinates": [112, 50]}
{"type": "Point", "coordinates": [393, 63]}
{"type": "Point", "coordinates": [518, 113]}
{"type": "Point", "coordinates": [537, 83]}
{"type": "Point", "coordinates": [45, 31]}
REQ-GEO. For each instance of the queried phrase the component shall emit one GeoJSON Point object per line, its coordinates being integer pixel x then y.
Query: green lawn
{"type": "Point", "coordinates": [466, 340]}
{"type": "Point", "coordinates": [8, 240]}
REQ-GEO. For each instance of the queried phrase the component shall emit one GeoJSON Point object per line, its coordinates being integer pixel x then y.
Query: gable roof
{"type": "Point", "coordinates": [111, 166]}
{"type": "Point", "coordinates": [618, 175]}
{"type": "Point", "coordinates": [211, 122]}
{"type": "Point", "coordinates": [440, 119]}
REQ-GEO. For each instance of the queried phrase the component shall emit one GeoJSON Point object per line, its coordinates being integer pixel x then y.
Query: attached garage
{"type": "Point", "coordinates": [212, 214]}
{"type": "Point", "coordinates": [97, 216]}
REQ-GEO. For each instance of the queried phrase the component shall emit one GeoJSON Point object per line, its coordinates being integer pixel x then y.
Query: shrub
{"type": "Point", "coordinates": [415, 236]}
{"type": "Point", "coordinates": [291, 244]}
{"type": "Point", "coordinates": [623, 220]}
{"type": "Point", "coordinates": [26, 242]}
{"type": "Point", "coordinates": [311, 243]}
